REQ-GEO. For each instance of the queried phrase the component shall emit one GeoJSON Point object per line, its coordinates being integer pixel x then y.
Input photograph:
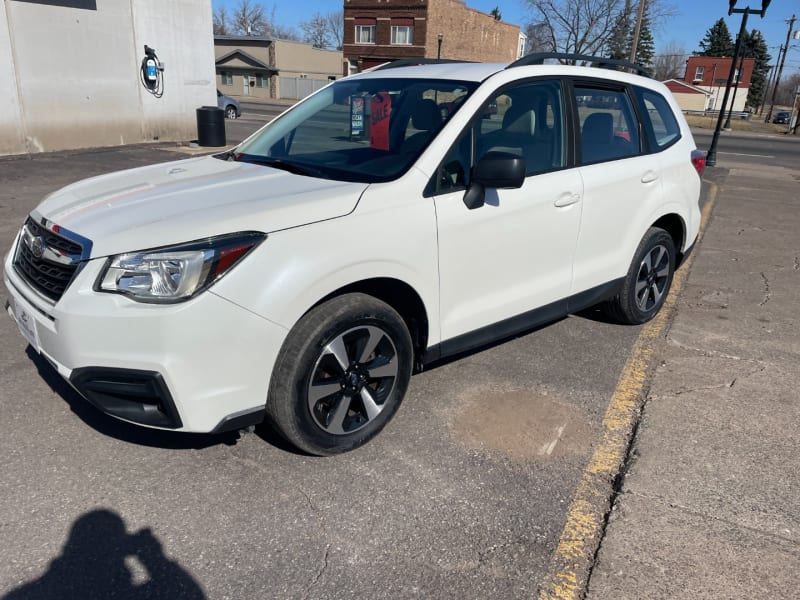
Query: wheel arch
{"type": "Point", "coordinates": [401, 297]}
{"type": "Point", "coordinates": [675, 226]}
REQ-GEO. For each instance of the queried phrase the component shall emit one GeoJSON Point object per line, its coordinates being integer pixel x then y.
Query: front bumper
{"type": "Point", "coordinates": [201, 366]}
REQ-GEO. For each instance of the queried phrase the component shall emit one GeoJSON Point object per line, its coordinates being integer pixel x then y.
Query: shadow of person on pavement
{"type": "Point", "coordinates": [101, 560]}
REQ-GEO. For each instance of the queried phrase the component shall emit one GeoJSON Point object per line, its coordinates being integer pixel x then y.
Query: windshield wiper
{"type": "Point", "coordinates": [279, 163]}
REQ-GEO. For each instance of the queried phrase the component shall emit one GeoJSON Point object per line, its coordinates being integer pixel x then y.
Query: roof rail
{"type": "Point", "coordinates": [597, 61]}
{"type": "Point", "coordinates": [412, 62]}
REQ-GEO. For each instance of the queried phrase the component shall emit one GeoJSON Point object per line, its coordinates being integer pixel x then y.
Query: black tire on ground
{"type": "Point", "coordinates": [230, 112]}
{"type": "Point", "coordinates": [648, 280]}
{"type": "Point", "coordinates": [341, 375]}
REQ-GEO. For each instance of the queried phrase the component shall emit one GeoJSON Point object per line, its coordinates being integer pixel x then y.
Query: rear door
{"type": "Point", "coordinates": [622, 182]}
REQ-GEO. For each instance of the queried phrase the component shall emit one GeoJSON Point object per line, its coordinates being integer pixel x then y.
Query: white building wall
{"type": "Point", "coordinates": [12, 135]}
{"type": "Point", "coordinates": [77, 71]}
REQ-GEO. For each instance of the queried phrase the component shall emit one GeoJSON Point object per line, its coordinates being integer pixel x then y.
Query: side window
{"type": "Point", "coordinates": [608, 126]}
{"type": "Point", "coordinates": [525, 120]}
{"type": "Point", "coordinates": [660, 124]}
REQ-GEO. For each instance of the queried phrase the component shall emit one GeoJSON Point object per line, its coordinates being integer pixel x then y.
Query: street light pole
{"type": "Point", "coordinates": [735, 89]}
{"type": "Point", "coordinates": [711, 155]}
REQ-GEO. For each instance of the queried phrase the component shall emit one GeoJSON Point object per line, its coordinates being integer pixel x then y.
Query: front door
{"type": "Point", "coordinates": [246, 84]}
{"type": "Point", "coordinates": [515, 253]}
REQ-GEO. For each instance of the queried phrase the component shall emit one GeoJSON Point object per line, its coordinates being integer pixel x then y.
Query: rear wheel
{"type": "Point", "coordinates": [230, 112]}
{"type": "Point", "coordinates": [341, 375]}
{"type": "Point", "coordinates": [648, 280]}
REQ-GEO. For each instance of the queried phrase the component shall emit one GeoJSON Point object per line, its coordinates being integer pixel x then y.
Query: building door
{"type": "Point", "coordinates": [246, 84]}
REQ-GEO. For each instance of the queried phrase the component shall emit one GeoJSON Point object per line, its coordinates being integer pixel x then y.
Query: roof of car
{"type": "Point", "coordinates": [463, 71]}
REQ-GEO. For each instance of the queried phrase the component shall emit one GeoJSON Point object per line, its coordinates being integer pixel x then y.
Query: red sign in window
{"type": "Point", "coordinates": [379, 121]}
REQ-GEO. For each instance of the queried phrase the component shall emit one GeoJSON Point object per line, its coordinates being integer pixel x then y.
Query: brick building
{"type": "Point", "coordinates": [378, 31]}
{"type": "Point", "coordinates": [710, 74]}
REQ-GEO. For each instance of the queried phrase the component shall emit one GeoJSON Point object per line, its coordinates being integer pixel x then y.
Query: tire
{"type": "Point", "coordinates": [648, 281]}
{"type": "Point", "coordinates": [341, 375]}
{"type": "Point", "coordinates": [230, 112]}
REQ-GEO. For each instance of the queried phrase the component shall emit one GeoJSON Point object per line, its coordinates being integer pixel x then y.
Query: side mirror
{"type": "Point", "coordinates": [495, 170]}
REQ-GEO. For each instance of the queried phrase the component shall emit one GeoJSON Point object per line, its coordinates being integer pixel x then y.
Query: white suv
{"type": "Point", "coordinates": [390, 219]}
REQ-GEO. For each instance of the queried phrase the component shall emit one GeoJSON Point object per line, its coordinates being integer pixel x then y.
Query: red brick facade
{"type": "Point", "coordinates": [467, 34]}
{"type": "Point", "coordinates": [712, 71]}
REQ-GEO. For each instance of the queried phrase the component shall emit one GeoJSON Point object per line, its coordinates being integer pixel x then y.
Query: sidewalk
{"type": "Point", "coordinates": [709, 506]}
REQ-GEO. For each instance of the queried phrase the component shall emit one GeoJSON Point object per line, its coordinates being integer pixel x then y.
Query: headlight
{"type": "Point", "coordinates": [175, 273]}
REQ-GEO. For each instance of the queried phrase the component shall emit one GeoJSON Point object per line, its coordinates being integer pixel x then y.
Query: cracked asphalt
{"type": "Point", "coordinates": [466, 492]}
{"type": "Point", "coordinates": [464, 495]}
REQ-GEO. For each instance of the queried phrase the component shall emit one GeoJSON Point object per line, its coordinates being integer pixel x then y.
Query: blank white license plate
{"type": "Point", "coordinates": [23, 315]}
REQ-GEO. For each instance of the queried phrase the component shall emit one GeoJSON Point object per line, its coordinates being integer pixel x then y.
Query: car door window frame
{"type": "Point", "coordinates": [434, 187]}
{"type": "Point", "coordinates": [635, 114]}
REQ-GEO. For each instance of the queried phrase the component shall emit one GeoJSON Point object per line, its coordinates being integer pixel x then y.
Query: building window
{"type": "Point", "coordinates": [402, 35]}
{"type": "Point", "coordinates": [365, 34]}
{"type": "Point", "coordinates": [226, 77]}
{"type": "Point", "coordinates": [262, 81]}
{"type": "Point", "coordinates": [698, 74]}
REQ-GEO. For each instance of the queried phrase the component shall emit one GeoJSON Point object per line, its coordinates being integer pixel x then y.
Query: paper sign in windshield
{"type": "Point", "coordinates": [379, 121]}
{"type": "Point", "coordinates": [357, 116]}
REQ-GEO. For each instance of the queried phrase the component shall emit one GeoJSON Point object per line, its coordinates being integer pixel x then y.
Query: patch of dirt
{"type": "Point", "coordinates": [522, 424]}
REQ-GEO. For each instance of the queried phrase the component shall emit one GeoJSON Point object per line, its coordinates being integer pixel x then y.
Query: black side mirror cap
{"type": "Point", "coordinates": [495, 170]}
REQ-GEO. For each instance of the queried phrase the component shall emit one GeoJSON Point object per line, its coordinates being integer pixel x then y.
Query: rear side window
{"type": "Point", "coordinates": [608, 126]}
{"type": "Point", "coordinates": [660, 124]}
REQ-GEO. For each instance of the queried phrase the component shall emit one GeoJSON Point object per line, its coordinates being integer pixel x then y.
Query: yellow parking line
{"type": "Point", "coordinates": [569, 566]}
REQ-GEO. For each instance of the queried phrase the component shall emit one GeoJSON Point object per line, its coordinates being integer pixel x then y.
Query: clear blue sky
{"type": "Point", "coordinates": [694, 18]}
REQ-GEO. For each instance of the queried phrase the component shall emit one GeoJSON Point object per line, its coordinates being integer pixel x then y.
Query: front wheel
{"type": "Point", "coordinates": [648, 281]}
{"type": "Point", "coordinates": [341, 375]}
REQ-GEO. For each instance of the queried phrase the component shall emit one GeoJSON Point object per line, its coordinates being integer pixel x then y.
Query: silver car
{"type": "Point", "coordinates": [229, 105]}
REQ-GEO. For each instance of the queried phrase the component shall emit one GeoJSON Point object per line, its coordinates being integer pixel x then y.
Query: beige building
{"type": "Point", "coordinates": [260, 67]}
{"type": "Point", "coordinates": [71, 75]}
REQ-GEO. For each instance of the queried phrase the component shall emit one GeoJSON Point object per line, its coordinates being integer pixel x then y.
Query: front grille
{"type": "Point", "coordinates": [49, 277]}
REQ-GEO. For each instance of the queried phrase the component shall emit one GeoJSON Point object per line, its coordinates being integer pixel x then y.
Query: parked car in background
{"type": "Point", "coordinates": [229, 105]}
{"type": "Point", "coordinates": [782, 118]}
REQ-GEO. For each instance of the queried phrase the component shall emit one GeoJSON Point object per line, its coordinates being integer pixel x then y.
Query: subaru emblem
{"type": "Point", "coordinates": [37, 247]}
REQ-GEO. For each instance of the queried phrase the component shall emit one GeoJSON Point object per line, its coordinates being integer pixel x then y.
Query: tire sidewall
{"type": "Point", "coordinates": [654, 237]}
{"type": "Point", "coordinates": [289, 397]}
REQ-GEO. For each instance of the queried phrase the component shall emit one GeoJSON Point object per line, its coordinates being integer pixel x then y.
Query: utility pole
{"type": "Point", "coordinates": [780, 67]}
{"type": "Point", "coordinates": [637, 30]}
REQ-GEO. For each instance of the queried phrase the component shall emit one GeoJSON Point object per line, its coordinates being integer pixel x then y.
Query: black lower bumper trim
{"type": "Point", "coordinates": [240, 420]}
{"type": "Point", "coordinates": [138, 396]}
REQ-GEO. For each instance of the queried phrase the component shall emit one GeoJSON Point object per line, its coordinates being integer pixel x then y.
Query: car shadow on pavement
{"type": "Point", "coordinates": [127, 432]}
{"type": "Point", "coordinates": [100, 560]}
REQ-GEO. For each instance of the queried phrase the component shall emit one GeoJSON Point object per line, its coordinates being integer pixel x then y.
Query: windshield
{"type": "Point", "coordinates": [364, 130]}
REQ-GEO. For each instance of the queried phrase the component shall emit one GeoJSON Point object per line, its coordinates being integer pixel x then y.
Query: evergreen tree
{"type": "Point", "coordinates": [498, 16]}
{"type": "Point", "coordinates": [718, 41]}
{"type": "Point", "coordinates": [756, 47]}
{"type": "Point", "coordinates": [618, 45]}
{"type": "Point", "coordinates": [646, 49]}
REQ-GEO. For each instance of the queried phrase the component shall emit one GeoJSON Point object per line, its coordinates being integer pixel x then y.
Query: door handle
{"type": "Point", "coordinates": [650, 177]}
{"type": "Point", "coordinates": [567, 199]}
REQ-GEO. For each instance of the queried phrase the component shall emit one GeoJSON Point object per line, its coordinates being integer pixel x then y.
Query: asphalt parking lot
{"type": "Point", "coordinates": [467, 492]}
{"type": "Point", "coordinates": [464, 495]}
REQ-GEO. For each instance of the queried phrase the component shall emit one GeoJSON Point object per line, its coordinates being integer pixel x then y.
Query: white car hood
{"type": "Point", "coordinates": [192, 199]}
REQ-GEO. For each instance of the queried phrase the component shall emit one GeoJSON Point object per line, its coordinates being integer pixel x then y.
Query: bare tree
{"type": "Point", "coordinates": [335, 23]}
{"type": "Point", "coordinates": [671, 62]}
{"type": "Point", "coordinates": [221, 26]}
{"type": "Point", "coordinates": [249, 18]}
{"type": "Point", "coordinates": [577, 26]}
{"type": "Point", "coordinates": [540, 38]}
{"type": "Point", "coordinates": [315, 31]}
{"type": "Point", "coordinates": [587, 26]}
